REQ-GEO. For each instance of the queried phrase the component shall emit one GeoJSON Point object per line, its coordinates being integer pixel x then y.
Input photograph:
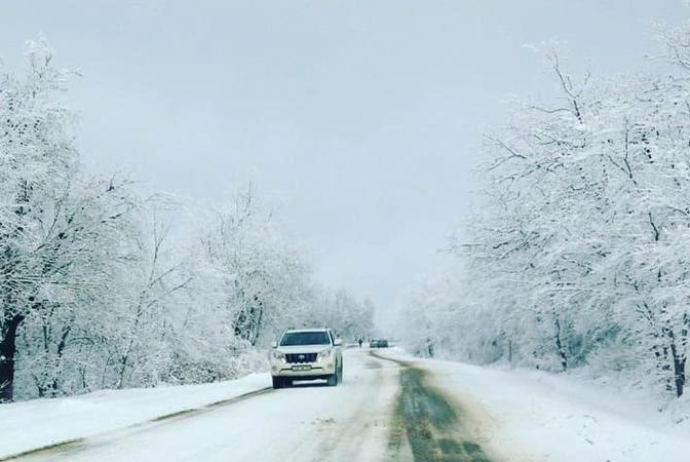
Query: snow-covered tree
{"type": "Point", "coordinates": [104, 287]}
{"type": "Point", "coordinates": [55, 228]}
{"type": "Point", "coordinates": [580, 252]}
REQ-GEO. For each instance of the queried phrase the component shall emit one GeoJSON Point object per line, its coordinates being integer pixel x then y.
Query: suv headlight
{"type": "Point", "coordinates": [278, 355]}
{"type": "Point", "coordinates": [324, 354]}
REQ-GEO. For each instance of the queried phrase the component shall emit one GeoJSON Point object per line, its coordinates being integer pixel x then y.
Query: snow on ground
{"type": "Point", "coordinates": [526, 416]}
{"type": "Point", "coordinates": [314, 423]}
{"type": "Point", "coordinates": [516, 416]}
{"type": "Point", "coordinates": [38, 423]}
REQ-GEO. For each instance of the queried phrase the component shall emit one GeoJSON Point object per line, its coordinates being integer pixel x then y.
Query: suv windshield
{"type": "Point", "coordinates": [305, 338]}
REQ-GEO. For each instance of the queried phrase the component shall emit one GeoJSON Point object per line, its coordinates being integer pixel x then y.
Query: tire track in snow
{"type": "Point", "coordinates": [359, 436]}
{"type": "Point", "coordinates": [427, 424]}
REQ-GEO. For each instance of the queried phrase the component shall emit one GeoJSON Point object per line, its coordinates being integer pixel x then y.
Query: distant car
{"type": "Point", "coordinates": [378, 343]}
{"type": "Point", "coordinates": [306, 354]}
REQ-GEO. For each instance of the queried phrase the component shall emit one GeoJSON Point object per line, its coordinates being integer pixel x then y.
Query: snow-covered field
{"type": "Point", "coordinates": [515, 416]}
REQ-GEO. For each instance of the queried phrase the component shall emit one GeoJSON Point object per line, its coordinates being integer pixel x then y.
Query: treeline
{"type": "Point", "coordinates": [102, 286]}
{"type": "Point", "coordinates": [581, 254]}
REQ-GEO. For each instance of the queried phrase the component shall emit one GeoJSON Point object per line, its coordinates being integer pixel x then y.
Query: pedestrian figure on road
{"type": "Point", "coordinates": [360, 342]}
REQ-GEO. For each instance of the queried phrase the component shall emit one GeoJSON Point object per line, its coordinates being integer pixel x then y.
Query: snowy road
{"type": "Point", "coordinates": [390, 408]}
{"type": "Point", "coordinates": [381, 412]}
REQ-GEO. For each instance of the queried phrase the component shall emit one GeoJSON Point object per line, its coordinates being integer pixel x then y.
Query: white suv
{"type": "Point", "coordinates": [306, 354]}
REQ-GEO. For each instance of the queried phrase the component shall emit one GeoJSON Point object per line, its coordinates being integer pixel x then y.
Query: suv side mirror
{"type": "Point", "coordinates": [274, 344]}
{"type": "Point", "coordinates": [338, 342]}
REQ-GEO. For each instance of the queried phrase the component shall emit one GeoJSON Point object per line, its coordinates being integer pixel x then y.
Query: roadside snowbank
{"type": "Point", "coordinates": [533, 416]}
{"type": "Point", "coordinates": [39, 423]}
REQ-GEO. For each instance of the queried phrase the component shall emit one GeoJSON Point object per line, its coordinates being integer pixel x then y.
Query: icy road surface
{"type": "Point", "coordinates": [382, 412]}
{"type": "Point", "coordinates": [391, 407]}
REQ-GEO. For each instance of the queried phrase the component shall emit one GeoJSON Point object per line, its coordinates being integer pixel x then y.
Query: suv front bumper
{"type": "Point", "coordinates": [316, 369]}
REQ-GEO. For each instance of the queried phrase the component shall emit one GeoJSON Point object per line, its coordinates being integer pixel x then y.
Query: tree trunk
{"type": "Point", "coordinates": [429, 347]}
{"type": "Point", "coordinates": [8, 349]}
{"type": "Point", "coordinates": [560, 347]}
{"type": "Point", "coordinates": [259, 319]}
{"type": "Point", "coordinates": [676, 368]}
{"type": "Point", "coordinates": [678, 371]}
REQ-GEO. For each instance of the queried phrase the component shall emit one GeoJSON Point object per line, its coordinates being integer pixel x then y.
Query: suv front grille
{"type": "Point", "coordinates": [300, 357]}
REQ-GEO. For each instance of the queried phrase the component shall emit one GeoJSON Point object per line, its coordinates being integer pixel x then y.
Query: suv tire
{"type": "Point", "coordinates": [278, 382]}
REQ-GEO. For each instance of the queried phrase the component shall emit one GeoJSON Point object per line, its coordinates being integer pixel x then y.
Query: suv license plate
{"type": "Point", "coordinates": [301, 368]}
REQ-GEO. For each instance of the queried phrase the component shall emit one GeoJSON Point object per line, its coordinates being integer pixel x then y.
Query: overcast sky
{"type": "Point", "coordinates": [361, 119]}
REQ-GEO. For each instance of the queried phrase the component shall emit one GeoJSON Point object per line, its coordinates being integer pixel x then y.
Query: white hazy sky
{"type": "Point", "coordinates": [360, 119]}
